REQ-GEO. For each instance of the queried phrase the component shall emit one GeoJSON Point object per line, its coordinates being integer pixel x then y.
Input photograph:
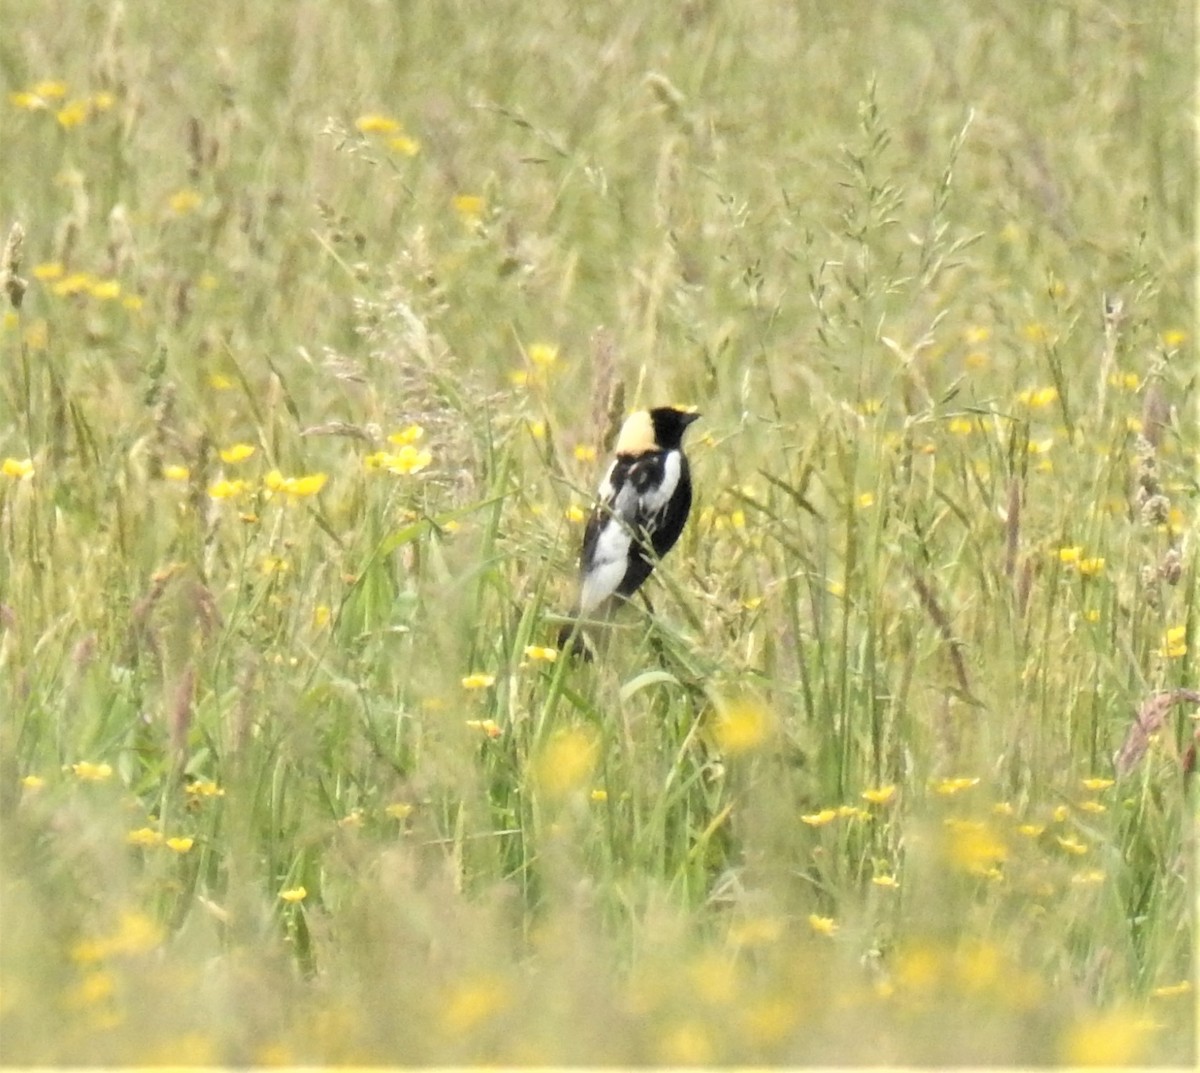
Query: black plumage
{"type": "Point", "coordinates": [642, 505]}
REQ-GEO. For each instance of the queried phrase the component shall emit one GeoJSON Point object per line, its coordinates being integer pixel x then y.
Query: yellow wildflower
{"type": "Point", "coordinates": [19, 469]}
{"type": "Point", "coordinates": [1174, 643]}
{"type": "Point", "coordinates": [949, 787]}
{"type": "Point", "coordinates": [409, 434]}
{"type": "Point", "coordinates": [105, 289]}
{"type": "Point", "coordinates": [406, 461]}
{"type": "Point", "coordinates": [469, 208]}
{"type": "Point", "coordinates": [478, 681]}
{"type": "Point", "coordinates": [51, 89]}
{"type": "Point", "coordinates": [294, 894]}
{"type": "Point", "coordinates": [819, 819]}
{"type": "Point", "coordinates": [72, 114]}
{"type": "Point", "coordinates": [238, 452]}
{"type": "Point", "coordinates": [89, 772]}
{"type": "Point", "coordinates": [376, 124]}
{"type": "Point", "coordinates": [1038, 398]}
{"type": "Point", "coordinates": [176, 473]}
{"type": "Point", "coordinates": [224, 489]}
{"type": "Point", "coordinates": [882, 795]}
{"type": "Point", "coordinates": [300, 487]}
{"type": "Point", "coordinates": [308, 485]}
{"type": "Point", "coordinates": [543, 355]}
{"type": "Point", "coordinates": [144, 836]}
{"type": "Point", "coordinates": [822, 925]}
{"type": "Point", "coordinates": [184, 201]}
{"type": "Point", "coordinates": [541, 654]}
{"type": "Point", "coordinates": [179, 844]}
{"type": "Point", "coordinates": [743, 725]}
{"type": "Point", "coordinates": [566, 761]}
{"type": "Point", "coordinates": [1113, 1038]}
{"type": "Point", "coordinates": [26, 99]}
{"type": "Point", "coordinates": [404, 145]}
{"type": "Point", "coordinates": [75, 283]}
{"type": "Point", "coordinates": [975, 847]}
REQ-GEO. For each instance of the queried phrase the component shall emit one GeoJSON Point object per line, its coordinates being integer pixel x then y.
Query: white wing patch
{"type": "Point", "coordinates": [657, 498]}
{"type": "Point", "coordinates": [627, 511]}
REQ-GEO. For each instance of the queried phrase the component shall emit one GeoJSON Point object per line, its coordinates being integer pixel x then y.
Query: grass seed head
{"type": "Point", "coordinates": [10, 266]}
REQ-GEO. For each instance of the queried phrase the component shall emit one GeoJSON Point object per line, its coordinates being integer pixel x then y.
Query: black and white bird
{"type": "Point", "coordinates": [642, 505]}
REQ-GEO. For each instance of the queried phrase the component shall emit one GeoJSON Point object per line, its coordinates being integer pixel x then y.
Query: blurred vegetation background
{"type": "Point", "coordinates": [315, 319]}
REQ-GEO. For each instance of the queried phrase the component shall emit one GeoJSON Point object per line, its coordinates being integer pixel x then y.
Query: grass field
{"type": "Point", "coordinates": [316, 318]}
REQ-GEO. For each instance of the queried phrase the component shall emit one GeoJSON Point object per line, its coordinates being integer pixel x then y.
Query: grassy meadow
{"type": "Point", "coordinates": [315, 322]}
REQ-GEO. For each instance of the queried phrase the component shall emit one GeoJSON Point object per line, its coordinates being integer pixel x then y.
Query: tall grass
{"type": "Point", "coordinates": [320, 321]}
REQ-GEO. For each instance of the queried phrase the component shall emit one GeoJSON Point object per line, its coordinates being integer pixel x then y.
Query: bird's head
{"type": "Point", "coordinates": [660, 429]}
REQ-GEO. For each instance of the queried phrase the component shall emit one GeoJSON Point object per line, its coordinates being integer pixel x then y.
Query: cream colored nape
{"type": "Point", "coordinates": [637, 435]}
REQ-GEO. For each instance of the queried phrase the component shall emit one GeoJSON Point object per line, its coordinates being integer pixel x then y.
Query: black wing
{"type": "Point", "coordinates": [660, 526]}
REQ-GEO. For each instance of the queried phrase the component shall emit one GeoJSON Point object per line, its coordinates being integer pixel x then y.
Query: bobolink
{"type": "Point", "coordinates": [643, 502]}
